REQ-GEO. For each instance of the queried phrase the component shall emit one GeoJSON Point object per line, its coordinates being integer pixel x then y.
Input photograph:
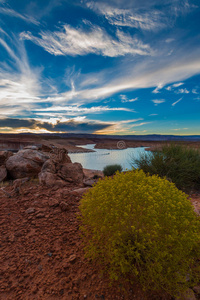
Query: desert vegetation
{"type": "Point", "coordinates": [142, 227]}
{"type": "Point", "coordinates": [178, 163]}
{"type": "Point", "coordinates": [111, 169]}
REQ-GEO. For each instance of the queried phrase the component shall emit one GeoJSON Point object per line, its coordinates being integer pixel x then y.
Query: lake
{"type": "Point", "coordinates": [102, 157]}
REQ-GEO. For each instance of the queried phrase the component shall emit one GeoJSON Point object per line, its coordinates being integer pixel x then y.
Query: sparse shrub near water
{"type": "Point", "coordinates": [111, 170]}
{"type": "Point", "coordinates": [179, 164]}
{"type": "Point", "coordinates": [142, 226]}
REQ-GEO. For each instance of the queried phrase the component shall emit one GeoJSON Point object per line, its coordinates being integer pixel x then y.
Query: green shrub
{"type": "Point", "coordinates": [111, 170]}
{"type": "Point", "coordinates": [142, 226]}
{"type": "Point", "coordinates": [177, 163]}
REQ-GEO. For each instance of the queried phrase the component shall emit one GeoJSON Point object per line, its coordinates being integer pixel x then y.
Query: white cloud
{"type": "Point", "coordinates": [169, 40]}
{"type": "Point", "coordinates": [158, 101]}
{"type": "Point", "coordinates": [13, 13]}
{"type": "Point", "coordinates": [178, 129]}
{"type": "Point", "coordinates": [194, 91]}
{"type": "Point", "coordinates": [148, 20]}
{"type": "Point", "coordinates": [175, 85]}
{"type": "Point", "coordinates": [182, 91]}
{"type": "Point", "coordinates": [157, 89]}
{"type": "Point", "coordinates": [133, 76]}
{"type": "Point", "coordinates": [122, 127]}
{"type": "Point", "coordinates": [151, 115]}
{"type": "Point", "coordinates": [140, 124]}
{"type": "Point", "coordinates": [173, 104]}
{"type": "Point", "coordinates": [125, 99]}
{"type": "Point", "coordinates": [20, 85]}
{"type": "Point", "coordinates": [77, 110]}
{"type": "Point", "coordinates": [73, 42]}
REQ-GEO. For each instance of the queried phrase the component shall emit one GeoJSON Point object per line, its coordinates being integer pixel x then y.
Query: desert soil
{"type": "Point", "coordinates": [41, 253]}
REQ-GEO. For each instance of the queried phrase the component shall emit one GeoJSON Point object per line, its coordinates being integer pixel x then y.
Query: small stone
{"type": "Point", "coordinates": [64, 206]}
{"type": "Point", "coordinates": [30, 210]}
{"type": "Point", "coordinates": [19, 292]}
{"type": "Point", "coordinates": [40, 267]}
{"type": "Point", "coordinates": [72, 258]}
{"type": "Point", "coordinates": [50, 254]}
{"type": "Point", "coordinates": [89, 182]}
{"type": "Point", "coordinates": [40, 215]}
{"type": "Point", "coordinates": [53, 203]}
{"type": "Point", "coordinates": [79, 191]}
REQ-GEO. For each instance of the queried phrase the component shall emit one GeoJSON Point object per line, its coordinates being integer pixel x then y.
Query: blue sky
{"type": "Point", "coordinates": [105, 67]}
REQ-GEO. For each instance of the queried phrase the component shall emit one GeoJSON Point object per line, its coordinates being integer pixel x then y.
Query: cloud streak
{"type": "Point", "coordinates": [153, 20]}
{"type": "Point", "coordinates": [78, 110]}
{"type": "Point", "coordinates": [124, 99]}
{"type": "Point", "coordinates": [173, 104]}
{"type": "Point", "coordinates": [12, 13]}
{"type": "Point", "coordinates": [158, 101]}
{"type": "Point", "coordinates": [78, 41]}
{"type": "Point", "coordinates": [19, 84]}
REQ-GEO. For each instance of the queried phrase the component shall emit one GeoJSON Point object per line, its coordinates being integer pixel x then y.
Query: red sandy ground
{"type": "Point", "coordinates": [41, 255]}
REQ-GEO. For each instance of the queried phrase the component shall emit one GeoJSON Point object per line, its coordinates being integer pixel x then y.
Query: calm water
{"type": "Point", "coordinates": [102, 157]}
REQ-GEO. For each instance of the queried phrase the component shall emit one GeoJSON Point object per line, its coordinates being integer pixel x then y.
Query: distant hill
{"type": "Point", "coordinates": [151, 137]}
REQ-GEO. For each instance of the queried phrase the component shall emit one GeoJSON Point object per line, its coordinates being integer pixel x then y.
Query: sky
{"type": "Point", "coordinates": [105, 67]}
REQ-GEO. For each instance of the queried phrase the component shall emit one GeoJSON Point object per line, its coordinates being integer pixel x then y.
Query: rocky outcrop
{"type": "Point", "coordinates": [3, 173]}
{"type": "Point", "coordinates": [4, 155]}
{"type": "Point", "coordinates": [91, 177]}
{"type": "Point", "coordinates": [61, 172]}
{"type": "Point", "coordinates": [71, 172]}
{"type": "Point", "coordinates": [26, 163]}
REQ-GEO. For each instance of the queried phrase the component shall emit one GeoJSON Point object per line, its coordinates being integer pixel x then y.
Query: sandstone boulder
{"type": "Point", "coordinates": [25, 163]}
{"type": "Point", "coordinates": [61, 173]}
{"type": "Point", "coordinates": [46, 148]}
{"type": "Point", "coordinates": [4, 155]}
{"type": "Point", "coordinates": [71, 172]}
{"type": "Point", "coordinates": [3, 173]}
{"type": "Point", "coordinates": [49, 166]}
{"type": "Point", "coordinates": [59, 155]}
{"type": "Point", "coordinates": [50, 179]}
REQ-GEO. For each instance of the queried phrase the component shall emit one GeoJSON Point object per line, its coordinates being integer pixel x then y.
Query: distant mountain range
{"type": "Point", "coordinates": [151, 137]}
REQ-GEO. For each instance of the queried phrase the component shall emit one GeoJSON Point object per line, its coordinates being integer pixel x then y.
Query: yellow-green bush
{"type": "Point", "coordinates": [142, 226]}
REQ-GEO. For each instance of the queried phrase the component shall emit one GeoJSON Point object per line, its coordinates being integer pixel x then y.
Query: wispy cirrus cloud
{"type": "Point", "coordinates": [173, 104]}
{"type": "Point", "coordinates": [148, 20]}
{"type": "Point", "coordinates": [182, 91]}
{"type": "Point", "coordinates": [157, 89]}
{"type": "Point", "coordinates": [124, 99]}
{"type": "Point", "coordinates": [175, 85]}
{"type": "Point", "coordinates": [12, 13]}
{"type": "Point", "coordinates": [123, 126]}
{"type": "Point", "coordinates": [95, 40]}
{"type": "Point", "coordinates": [179, 129]}
{"type": "Point", "coordinates": [158, 101]}
{"type": "Point", "coordinates": [19, 84]}
{"type": "Point", "coordinates": [151, 18]}
{"type": "Point", "coordinates": [77, 110]}
{"type": "Point", "coordinates": [194, 91]}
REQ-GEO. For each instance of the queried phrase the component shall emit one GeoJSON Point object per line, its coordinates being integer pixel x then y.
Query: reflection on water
{"type": "Point", "coordinates": [102, 157]}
